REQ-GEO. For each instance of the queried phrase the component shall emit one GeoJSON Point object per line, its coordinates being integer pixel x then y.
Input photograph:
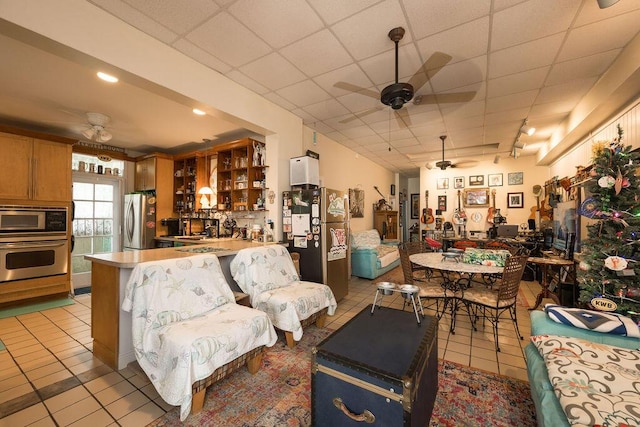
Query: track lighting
{"type": "Point", "coordinates": [528, 130]}
{"type": "Point", "coordinates": [496, 159]}
{"type": "Point", "coordinates": [603, 4]}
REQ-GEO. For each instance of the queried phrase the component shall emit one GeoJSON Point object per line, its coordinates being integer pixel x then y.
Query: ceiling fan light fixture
{"type": "Point", "coordinates": [103, 136]}
{"type": "Point", "coordinates": [89, 133]}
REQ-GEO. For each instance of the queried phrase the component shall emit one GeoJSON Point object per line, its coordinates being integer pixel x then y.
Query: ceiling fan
{"type": "Point", "coordinates": [444, 164]}
{"type": "Point", "coordinates": [397, 94]}
{"type": "Point", "coordinates": [96, 131]}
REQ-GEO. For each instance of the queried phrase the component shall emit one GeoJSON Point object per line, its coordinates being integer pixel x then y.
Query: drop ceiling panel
{"type": "Point", "coordinates": [597, 37]}
{"type": "Point", "coordinates": [317, 54]}
{"type": "Point", "coordinates": [277, 23]}
{"type": "Point", "coordinates": [461, 43]}
{"type": "Point", "coordinates": [273, 71]}
{"type": "Point", "coordinates": [303, 93]}
{"type": "Point", "coordinates": [581, 68]}
{"type": "Point", "coordinates": [519, 82]}
{"type": "Point", "coordinates": [137, 19]}
{"type": "Point", "coordinates": [365, 34]}
{"type": "Point", "coordinates": [213, 37]}
{"type": "Point", "coordinates": [441, 15]}
{"type": "Point", "coordinates": [179, 16]}
{"type": "Point", "coordinates": [528, 56]}
{"type": "Point", "coordinates": [531, 20]}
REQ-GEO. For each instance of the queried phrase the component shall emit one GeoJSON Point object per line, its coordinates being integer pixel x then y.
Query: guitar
{"type": "Point", "coordinates": [459, 215]}
{"type": "Point", "coordinates": [492, 210]}
{"type": "Point", "coordinates": [538, 212]}
{"type": "Point", "coordinates": [427, 213]}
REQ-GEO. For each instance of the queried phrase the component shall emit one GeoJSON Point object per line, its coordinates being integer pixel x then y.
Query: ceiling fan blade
{"type": "Point", "coordinates": [360, 115]}
{"type": "Point", "coordinates": [444, 98]}
{"type": "Point", "coordinates": [357, 89]}
{"type": "Point", "coordinates": [402, 117]}
{"type": "Point", "coordinates": [465, 164]}
{"type": "Point", "coordinates": [429, 69]}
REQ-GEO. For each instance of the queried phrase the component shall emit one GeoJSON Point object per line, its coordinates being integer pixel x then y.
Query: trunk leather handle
{"type": "Point", "coordinates": [366, 416]}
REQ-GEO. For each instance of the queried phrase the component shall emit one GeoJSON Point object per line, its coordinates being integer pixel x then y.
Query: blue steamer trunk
{"type": "Point", "coordinates": [378, 369]}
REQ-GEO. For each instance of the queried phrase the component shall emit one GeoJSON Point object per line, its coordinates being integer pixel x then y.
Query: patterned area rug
{"type": "Point", "coordinates": [396, 276]}
{"type": "Point", "coordinates": [279, 394]}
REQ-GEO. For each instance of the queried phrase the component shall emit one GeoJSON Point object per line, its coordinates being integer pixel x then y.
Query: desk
{"type": "Point", "coordinates": [545, 264]}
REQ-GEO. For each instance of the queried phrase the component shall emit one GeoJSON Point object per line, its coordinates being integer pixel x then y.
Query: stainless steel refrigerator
{"type": "Point", "coordinates": [315, 224]}
{"type": "Point", "coordinates": [139, 221]}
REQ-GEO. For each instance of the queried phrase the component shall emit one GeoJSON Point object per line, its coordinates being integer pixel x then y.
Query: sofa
{"type": "Point", "coordinates": [370, 256]}
{"type": "Point", "coordinates": [549, 411]}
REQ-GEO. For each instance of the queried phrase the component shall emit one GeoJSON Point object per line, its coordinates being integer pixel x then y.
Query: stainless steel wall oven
{"type": "Point", "coordinates": [33, 242]}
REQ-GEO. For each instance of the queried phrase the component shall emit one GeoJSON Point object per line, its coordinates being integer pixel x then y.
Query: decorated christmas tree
{"type": "Point", "coordinates": [609, 273]}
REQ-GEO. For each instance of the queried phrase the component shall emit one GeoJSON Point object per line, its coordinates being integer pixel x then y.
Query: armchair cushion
{"type": "Point", "coordinates": [268, 275]}
{"type": "Point", "coordinates": [185, 324]}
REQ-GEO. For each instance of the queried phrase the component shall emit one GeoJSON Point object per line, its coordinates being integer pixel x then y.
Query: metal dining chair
{"type": "Point", "coordinates": [416, 248]}
{"type": "Point", "coordinates": [429, 290]}
{"type": "Point", "coordinates": [464, 244]}
{"type": "Point", "coordinates": [491, 303]}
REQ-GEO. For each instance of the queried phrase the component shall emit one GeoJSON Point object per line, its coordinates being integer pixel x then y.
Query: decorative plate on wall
{"type": "Point", "coordinates": [476, 217]}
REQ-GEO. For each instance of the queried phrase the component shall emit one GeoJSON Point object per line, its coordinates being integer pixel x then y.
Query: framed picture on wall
{"type": "Point", "coordinates": [443, 183]}
{"type": "Point", "coordinates": [495, 180]}
{"type": "Point", "coordinates": [356, 203]}
{"type": "Point", "coordinates": [515, 200]}
{"type": "Point", "coordinates": [476, 180]}
{"type": "Point", "coordinates": [515, 178]}
{"type": "Point", "coordinates": [415, 206]}
{"type": "Point", "coordinates": [442, 203]}
{"type": "Point", "coordinates": [476, 198]}
{"type": "Point", "coordinates": [458, 182]}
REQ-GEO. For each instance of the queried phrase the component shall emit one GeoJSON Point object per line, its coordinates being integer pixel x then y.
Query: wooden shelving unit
{"type": "Point", "coordinates": [241, 176]}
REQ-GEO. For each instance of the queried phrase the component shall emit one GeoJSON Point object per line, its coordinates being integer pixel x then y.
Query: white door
{"type": "Point", "coordinates": [96, 225]}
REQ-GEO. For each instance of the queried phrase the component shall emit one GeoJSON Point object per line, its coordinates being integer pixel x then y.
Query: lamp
{"type": "Point", "coordinates": [603, 4]}
{"type": "Point", "coordinates": [204, 200]}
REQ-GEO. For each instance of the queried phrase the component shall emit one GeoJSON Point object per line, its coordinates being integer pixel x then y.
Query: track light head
{"type": "Point", "coordinates": [603, 4]}
{"type": "Point", "coordinates": [528, 130]}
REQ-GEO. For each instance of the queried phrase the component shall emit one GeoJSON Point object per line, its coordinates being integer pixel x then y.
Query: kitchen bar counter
{"type": "Point", "coordinates": [110, 272]}
{"type": "Point", "coordinates": [129, 259]}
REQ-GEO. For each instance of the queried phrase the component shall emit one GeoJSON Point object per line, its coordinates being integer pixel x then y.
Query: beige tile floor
{"type": "Point", "coordinates": [49, 377]}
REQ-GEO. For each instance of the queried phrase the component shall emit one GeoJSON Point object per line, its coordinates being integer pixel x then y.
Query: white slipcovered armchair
{"type": "Point", "coordinates": [188, 332]}
{"type": "Point", "coordinates": [267, 274]}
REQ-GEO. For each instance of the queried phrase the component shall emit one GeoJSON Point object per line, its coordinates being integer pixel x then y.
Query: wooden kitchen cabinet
{"type": "Point", "coordinates": [241, 175]}
{"type": "Point", "coordinates": [154, 172]}
{"type": "Point", "coordinates": [386, 222]}
{"type": "Point", "coordinates": [145, 178]}
{"type": "Point", "coordinates": [34, 169]}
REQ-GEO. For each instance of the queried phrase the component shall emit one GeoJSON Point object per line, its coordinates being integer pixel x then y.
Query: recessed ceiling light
{"type": "Point", "coordinates": [107, 77]}
{"type": "Point", "coordinates": [199, 112]}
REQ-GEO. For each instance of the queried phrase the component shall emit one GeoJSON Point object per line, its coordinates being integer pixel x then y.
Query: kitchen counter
{"type": "Point", "coordinates": [129, 259]}
{"type": "Point", "coordinates": [110, 272]}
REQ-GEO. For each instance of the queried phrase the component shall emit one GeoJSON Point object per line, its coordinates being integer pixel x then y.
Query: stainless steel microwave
{"type": "Point", "coordinates": [32, 219]}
